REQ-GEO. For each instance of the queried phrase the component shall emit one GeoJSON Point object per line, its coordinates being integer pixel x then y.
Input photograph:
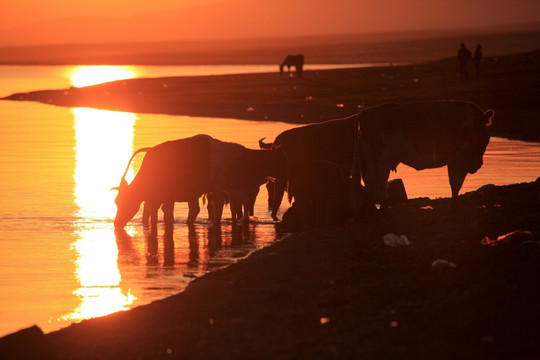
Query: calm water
{"type": "Point", "coordinates": [60, 261]}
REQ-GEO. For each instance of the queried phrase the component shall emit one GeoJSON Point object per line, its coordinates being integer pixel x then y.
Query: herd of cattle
{"type": "Point", "coordinates": [321, 166]}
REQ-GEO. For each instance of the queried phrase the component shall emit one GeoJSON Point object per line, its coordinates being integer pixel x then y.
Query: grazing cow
{"type": "Point", "coordinates": [320, 192]}
{"type": "Point", "coordinates": [293, 60]}
{"type": "Point", "coordinates": [174, 171]}
{"type": "Point", "coordinates": [334, 140]}
{"type": "Point", "coordinates": [422, 135]}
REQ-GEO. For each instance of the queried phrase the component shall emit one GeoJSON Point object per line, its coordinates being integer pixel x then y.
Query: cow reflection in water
{"type": "Point", "coordinates": [161, 247]}
{"type": "Point", "coordinates": [152, 246]}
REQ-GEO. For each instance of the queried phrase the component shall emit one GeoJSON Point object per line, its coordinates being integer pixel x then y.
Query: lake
{"type": "Point", "coordinates": [60, 260]}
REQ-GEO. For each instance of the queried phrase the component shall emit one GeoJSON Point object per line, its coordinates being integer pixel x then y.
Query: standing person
{"type": "Point", "coordinates": [477, 59]}
{"type": "Point", "coordinates": [463, 56]}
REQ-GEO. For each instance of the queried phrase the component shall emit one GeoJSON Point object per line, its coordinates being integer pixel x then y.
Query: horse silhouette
{"type": "Point", "coordinates": [293, 60]}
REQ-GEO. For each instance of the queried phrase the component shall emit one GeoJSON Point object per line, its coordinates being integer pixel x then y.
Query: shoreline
{"type": "Point", "coordinates": [508, 85]}
{"type": "Point", "coordinates": [340, 292]}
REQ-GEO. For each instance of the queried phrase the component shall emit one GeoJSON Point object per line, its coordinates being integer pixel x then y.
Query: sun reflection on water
{"type": "Point", "coordinates": [103, 143]}
{"type": "Point", "coordinates": [96, 74]}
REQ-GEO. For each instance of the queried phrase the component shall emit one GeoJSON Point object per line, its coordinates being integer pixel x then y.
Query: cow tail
{"type": "Point", "coordinates": [288, 187]}
{"type": "Point", "coordinates": [131, 159]}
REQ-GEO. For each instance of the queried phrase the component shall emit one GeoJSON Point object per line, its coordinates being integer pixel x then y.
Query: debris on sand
{"type": "Point", "coordinates": [517, 236]}
{"type": "Point", "coordinates": [443, 264]}
{"type": "Point", "coordinates": [394, 240]}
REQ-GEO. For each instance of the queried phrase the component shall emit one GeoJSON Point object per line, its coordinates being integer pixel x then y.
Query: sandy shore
{"type": "Point", "coordinates": [341, 292]}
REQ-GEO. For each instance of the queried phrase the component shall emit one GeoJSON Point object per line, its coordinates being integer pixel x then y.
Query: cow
{"type": "Point", "coordinates": [293, 60]}
{"type": "Point", "coordinates": [173, 171]}
{"type": "Point", "coordinates": [334, 140]}
{"type": "Point", "coordinates": [183, 170]}
{"type": "Point", "coordinates": [321, 195]}
{"type": "Point", "coordinates": [422, 135]}
{"type": "Point", "coordinates": [243, 177]}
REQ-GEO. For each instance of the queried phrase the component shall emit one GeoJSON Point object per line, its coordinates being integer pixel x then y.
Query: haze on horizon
{"type": "Point", "coordinates": [32, 22]}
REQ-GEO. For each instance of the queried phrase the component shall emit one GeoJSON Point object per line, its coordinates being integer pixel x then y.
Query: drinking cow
{"type": "Point", "coordinates": [185, 169]}
{"type": "Point", "coordinates": [174, 171]}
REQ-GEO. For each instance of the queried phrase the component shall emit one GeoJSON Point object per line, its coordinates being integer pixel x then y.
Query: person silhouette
{"type": "Point", "coordinates": [463, 56]}
{"type": "Point", "coordinates": [477, 59]}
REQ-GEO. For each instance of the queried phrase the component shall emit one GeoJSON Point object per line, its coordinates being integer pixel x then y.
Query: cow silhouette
{"type": "Point", "coordinates": [293, 60]}
{"type": "Point", "coordinates": [422, 135]}
{"type": "Point", "coordinates": [333, 141]}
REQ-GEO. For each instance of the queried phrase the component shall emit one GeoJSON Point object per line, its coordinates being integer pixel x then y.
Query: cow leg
{"type": "Point", "coordinates": [456, 177]}
{"type": "Point", "coordinates": [168, 213]}
{"type": "Point", "coordinates": [210, 206]}
{"type": "Point", "coordinates": [376, 178]}
{"type": "Point", "coordinates": [279, 190]}
{"type": "Point", "coordinates": [252, 198]}
{"type": "Point", "coordinates": [236, 209]}
{"type": "Point", "coordinates": [369, 182]}
{"type": "Point", "coordinates": [270, 188]}
{"type": "Point", "coordinates": [247, 210]}
{"type": "Point", "coordinates": [380, 191]}
{"type": "Point", "coordinates": [152, 213]}
{"type": "Point", "coordinates": [218, 199]}
{"type": "Point", "coordinates": [369, 168]}
{"type": "Point", "coordinates": [193, 210]}
{"type": "Point", "coordinates": [385, 164]}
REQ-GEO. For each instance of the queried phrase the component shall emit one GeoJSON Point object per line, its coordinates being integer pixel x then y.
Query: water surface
{"type": "Point", "coordinates": [60, 259]}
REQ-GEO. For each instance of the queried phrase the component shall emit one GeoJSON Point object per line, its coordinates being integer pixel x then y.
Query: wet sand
{"type": "Point", "coordinates": [340, 292]}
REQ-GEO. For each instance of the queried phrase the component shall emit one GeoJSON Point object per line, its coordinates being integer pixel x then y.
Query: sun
{"type": "Point", "coordinates": [87, 75]}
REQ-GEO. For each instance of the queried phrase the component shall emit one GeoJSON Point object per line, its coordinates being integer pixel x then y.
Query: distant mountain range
{"type": "Point", "coordinates": [413, 46]}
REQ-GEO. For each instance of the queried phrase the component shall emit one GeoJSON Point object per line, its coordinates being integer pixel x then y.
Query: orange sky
{"type": "Point", "coordinates": [67, 21]}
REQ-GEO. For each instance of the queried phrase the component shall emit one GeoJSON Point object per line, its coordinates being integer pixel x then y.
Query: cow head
{"type": "Point", "coordinates": [127, 205]}
{"type": "Point", "coordinates": [472, 151]}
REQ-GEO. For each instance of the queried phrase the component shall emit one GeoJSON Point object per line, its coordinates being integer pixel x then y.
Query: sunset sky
{"type": "Point", "coordinates": [67, 21]}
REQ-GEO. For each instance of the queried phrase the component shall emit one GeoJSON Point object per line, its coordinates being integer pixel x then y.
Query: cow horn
{"type": "Point", "coordinates": [264, 145]}
{"type": "Point", "coordinates": [130, 160]}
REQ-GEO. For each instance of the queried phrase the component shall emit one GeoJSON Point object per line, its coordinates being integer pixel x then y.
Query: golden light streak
{"type": "Point", "coordinates": [97, 74]}
{"type": "Point", "coordinates": [103, 145]}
